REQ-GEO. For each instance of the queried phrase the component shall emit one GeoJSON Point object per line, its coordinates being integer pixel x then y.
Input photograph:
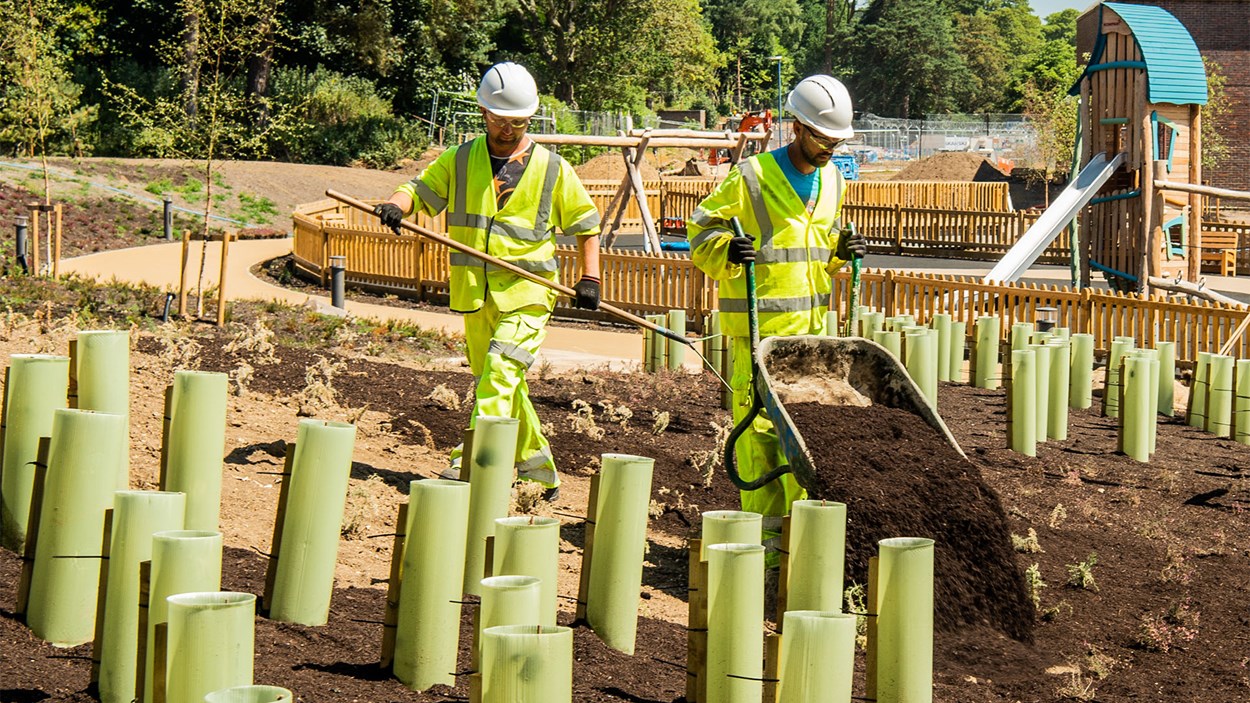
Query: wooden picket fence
{"type": "Point", "coordinates": [1198, 326]}
{"type": "Point", "coordinates": [951, 234]}
{"type": "Point", "coordinates": [931, 195]}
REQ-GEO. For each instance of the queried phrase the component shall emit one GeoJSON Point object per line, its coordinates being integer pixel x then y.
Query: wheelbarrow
{"type": "Point", "coordinates": [830, 370]}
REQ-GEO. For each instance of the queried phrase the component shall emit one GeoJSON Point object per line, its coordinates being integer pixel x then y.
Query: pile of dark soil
{"type": "Point", "coordinates": [952, 166]}
{"type": "Point", "coordinates": [900, 478]}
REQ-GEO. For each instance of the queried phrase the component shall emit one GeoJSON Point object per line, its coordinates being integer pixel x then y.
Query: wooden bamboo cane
{"type": "Point", "coordinates": [512, 268]}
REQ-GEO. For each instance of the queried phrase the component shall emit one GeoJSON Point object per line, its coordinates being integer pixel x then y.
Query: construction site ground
{"type": "Point", "coordinates": [1157, 551]}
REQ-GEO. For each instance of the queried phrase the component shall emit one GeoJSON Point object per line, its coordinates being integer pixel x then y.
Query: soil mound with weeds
{"type": "Point", "coordinates": [611, 166]}
{"type": "Point", "coordinates": [952, 166]}
{"type": "Point", "coordinates": [899, 478]}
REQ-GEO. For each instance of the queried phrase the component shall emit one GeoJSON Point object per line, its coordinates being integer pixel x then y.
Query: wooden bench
{"type": "Point", "coordinates": [1219, 250]}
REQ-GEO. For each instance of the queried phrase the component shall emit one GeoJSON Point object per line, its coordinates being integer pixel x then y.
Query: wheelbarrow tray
{"type": "Point", "coordinates": [833, 371]}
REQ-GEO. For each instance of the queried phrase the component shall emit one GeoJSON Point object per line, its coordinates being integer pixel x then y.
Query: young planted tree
{"type": "Point", "coordinates": [215, 113]}
{"type": "Point", "coordinates": [39, 108]}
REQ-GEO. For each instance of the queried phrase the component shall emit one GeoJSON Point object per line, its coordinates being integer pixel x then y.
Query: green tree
{"type": "Point", "coordinates": [1214, 118]}
{"type": "Point", "coordinates": [908, 63]}
{"type": "Point", "coordinates": [748, 32]}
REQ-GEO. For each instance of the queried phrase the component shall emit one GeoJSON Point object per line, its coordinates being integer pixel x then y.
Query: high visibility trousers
{"type": "Point", "coordinates": [758, 451]}
{"type": "Point", "coordinates": [501, 347]}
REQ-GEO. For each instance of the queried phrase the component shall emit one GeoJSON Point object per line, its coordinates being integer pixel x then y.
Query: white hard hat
{"type": "Point", "coordinates": [822, 103]}
{"type": "Point", "coordinates": [508, 90]}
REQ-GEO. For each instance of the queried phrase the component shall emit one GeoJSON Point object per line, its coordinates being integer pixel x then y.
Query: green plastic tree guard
{"type": "Point", "coordinates": [211, 644]}
{"type": "Point", "coordinates": [490, 477]}
{"type": "Point", "coordinates": [1041, 374]}
{"type": "Point", "coordinates": [1139, 411]}
{"type": "Point", "coordinates": [831, 323]}
{"type": "Point", "coordinates": [427, 632]}
{"type": "Point", "coordinates": [137, 515]}
{"type": "Point", "coordinates": [83, 456]}
{"type": "Point", "coordinates": [1081, 386]}
{"type": "Point", "coordinates": [817, 555]}
{"type": "Point", "coordinates": [676, 349]}
{"type": "Point", "coordinates": [1060, 383]}
{"type": "Point", "coordinates": [735, 616]}
{"type": "Point", "coordinates": [197, 441]}
{"type": "Point", "coordinates": [891, 340]}
{"type": "Point", "coordinates": [37, 384]}
{"type": "Point", "coordinates": [1023, 431]}
{"type": "Point", "coordinates": [103, 376]}
{"type": "Point", "coordinates": [942, 324]}
{"type": "Point", "coordinates": [1021, 334]}
{"type": "Point", "coordinates": [304, 577]}
{"type": "Point", "coordinates": [987, 373]}
{"type": "Point", "coordinates": [507, 600]}
{"type": "Point", "coordinates": [921, 361]}
{"type": "Point", "coordinates": [872, 321]}
{"type": "Point", "coordinates": [1167, 377]}
{"type": "Point", "coordinates": [1241, 402]}
{"type": "Point", "coordinates": [1111, 391]}
{"type": "Point", "coordinates": [620, 544]}
{"type": "Point", "coordinates": [250, 694]}
{"type": "Point", "coordinates": [527, 664]}
{"type": "Point", "coordinates": [723, 526]}
{"type": "Point", "coordinates": [905, 620]}
{"type": "Point", "coordinates": [955, 356]}
{"type": "Point", "coordinates": [817, 657]}
{"type": "Point", "coordinates": [530, 546]}
{"type": "Point", "coordinates": [183, 561]}
{"type": "Point", "coordinates": [1197, 413]}
{"type": "Point", "coordinates": [659, 347]}
{"type": "Point", "coordinates": [1219, 415]}
{"type": "Point", "coordinates": [715, 342]}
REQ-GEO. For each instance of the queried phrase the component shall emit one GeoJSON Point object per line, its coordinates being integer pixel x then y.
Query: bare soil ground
{"type": "Point", "coordinates": [1141, 570]}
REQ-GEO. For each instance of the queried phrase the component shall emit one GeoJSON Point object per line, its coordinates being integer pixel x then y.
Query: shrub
{"type": "Point", "coordinates": [1081, 574]}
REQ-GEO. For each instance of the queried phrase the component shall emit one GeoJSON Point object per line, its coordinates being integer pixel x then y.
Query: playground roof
{"type": "Point", "coordinates": [1174, 68]}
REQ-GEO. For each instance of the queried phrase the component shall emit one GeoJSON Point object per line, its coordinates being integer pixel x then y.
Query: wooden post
{"type": "Point", "coordinates": [1193, 252]}
{"type": "Point", "coordinates": [1143, 237]}
{"type": "Point", "coordinates": [35, 216]}
{"type": "Point", "coordinates": [169, 409]}
{"type": "Point", "coordinates": [1155, 240]}
{"type": "Point", "coordinates": [390, 618]}
{"type": "Point", "coordinates": [1084, 219]}
{"type": "Point", "coordinates": [735, 154]}
{"type": "Point", "coordinates": [145, 594]}
{"type": "Point", "coordinates": [101, 595]}
{"type": "Point", "coordinates": [772, 665]}
{"type": "Point", "coordinates": [640, 194]}
{"type": "Point", "coordinates": [783, 575]}
{"type": "Point", "coordinates": [221, 280]}
{"type": "Point", "coordinates": [284, 491]}
{"type": "Point", "coordinates": [32, 526]}
{"type": "Point", "coordinates": [616, 207]}
{"type": "Point", "coordinates": [182, 273]}
{"type": "Point", "coordinates": [696, 625]}
{"type": "Point", "coordinates": [870, 648]}
{"type": "Point", "coordinates": [583, 584]}
{"type": "Point", "coordinates": [56, 246]}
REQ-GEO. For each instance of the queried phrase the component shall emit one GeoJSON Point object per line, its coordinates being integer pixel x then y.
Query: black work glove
{"type": "Point", "coordinates": [587, 293]}
{"type": "Point", "coordinates": [389, 215]}
{"type": "Point", "coordinates": [741, 250]}
{"type": "Point", "coordinates": [851, 244]}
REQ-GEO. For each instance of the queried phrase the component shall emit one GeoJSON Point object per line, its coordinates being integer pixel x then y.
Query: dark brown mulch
{"type": "Point", "coordinates": [900, 478]}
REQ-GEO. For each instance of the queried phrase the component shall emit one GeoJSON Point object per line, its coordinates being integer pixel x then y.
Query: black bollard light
{"type": "Point", "coordinates": [21, 245]}
{"type": "Point", "coordinates": [338, 282]}
{"type": "Point", "coordinates": [169, 219]}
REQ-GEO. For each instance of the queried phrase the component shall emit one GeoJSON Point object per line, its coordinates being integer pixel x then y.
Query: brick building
{"type": "Point", "coordinates": [1221, 29]}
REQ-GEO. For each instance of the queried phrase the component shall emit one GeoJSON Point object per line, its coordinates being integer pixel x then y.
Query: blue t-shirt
{"type": "Point", "coordinates": [806, 185]}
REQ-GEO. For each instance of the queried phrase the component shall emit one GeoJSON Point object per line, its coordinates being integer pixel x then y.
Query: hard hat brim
{"type": "Point", "coordinates": [527, 111]}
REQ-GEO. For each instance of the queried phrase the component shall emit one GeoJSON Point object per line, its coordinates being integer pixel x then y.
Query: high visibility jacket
{"type": "Point", "coordinates": [795, 250]}
{"type": "Point", "coordinates": [548, 196]}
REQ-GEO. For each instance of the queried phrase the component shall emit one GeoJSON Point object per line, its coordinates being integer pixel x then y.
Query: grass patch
{"type": "Point", "coordinates": [160, 186]}
{"type": "Point", "coordinates": [257, 209]}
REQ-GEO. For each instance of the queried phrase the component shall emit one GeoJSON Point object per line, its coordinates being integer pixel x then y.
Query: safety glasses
{"type": "Point", "coordinates": [519, 123]}
{"type": "Point", "coordinates": [821, 140]}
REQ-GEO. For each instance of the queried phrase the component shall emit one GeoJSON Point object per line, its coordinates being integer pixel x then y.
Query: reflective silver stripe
{"type": "Point", "coordinates": [756, 196]}
{"type": "Point", "coordinates": [464, 219]}
{"type": "Point", "coordinates": [792, 255]}
{"type": "Point", "coordinates": [543, 215]}
{"type": "Point", "coordinates": [462, 176]}
{"type": "Point", "coordinates": [701, 217]}
{"type": "Point", "coordinates": [517, 232]}
{"type": "Point", "coordinates": [707, 234]}
{"type": "Point", "coordinates": [428, 196]}
{"type": "Point", "coordinates": [587, 223]}
{"type": "Point", "coordinates": [510, 351]}
{"type": "Point", "coordinates": [776, 304]}
{"type": "Point", "coordinates": [540, 458]}
{"type": "Point", "coordinates": [546, 266]}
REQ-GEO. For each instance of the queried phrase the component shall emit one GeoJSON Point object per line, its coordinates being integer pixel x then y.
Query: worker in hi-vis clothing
{"type": "Point", "coordinates": [505, 195]}
{"type": "Point", "coordinates": [789, 204]}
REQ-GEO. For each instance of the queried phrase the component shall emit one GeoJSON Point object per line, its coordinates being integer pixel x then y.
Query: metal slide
{"type": "Point", "coordinates": [1076, 196]}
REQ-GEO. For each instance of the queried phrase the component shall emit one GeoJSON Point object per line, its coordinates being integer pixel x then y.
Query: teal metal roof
{"type": "Point", "coordinates": [1174, 70]}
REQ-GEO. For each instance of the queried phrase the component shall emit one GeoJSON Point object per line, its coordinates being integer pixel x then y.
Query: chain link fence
{"type": "Point", "coordinates": [1003, 136]}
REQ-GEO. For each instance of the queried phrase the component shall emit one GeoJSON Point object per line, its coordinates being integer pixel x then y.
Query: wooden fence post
{"type": "Point", "coordinates": [898, 228]}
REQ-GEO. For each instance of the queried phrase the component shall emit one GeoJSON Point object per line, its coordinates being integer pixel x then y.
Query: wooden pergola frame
{"type": "Point", "coordinates": [633, 146]}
